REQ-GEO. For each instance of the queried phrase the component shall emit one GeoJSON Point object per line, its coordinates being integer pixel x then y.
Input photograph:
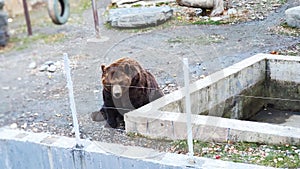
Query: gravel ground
{"type": "Point", "coordinates": [34, 99]}
{"type": "Point", "coordinates": [235, 11]}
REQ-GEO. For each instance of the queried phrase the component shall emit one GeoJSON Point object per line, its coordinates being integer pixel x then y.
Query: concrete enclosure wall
{"type": "Point", "coordinates": [164, 118]}
{"type": "Point", "coordinates": [285, 69]}
{"type": "Point", "coordinates": [25, 150]}
{"type": "Point", "coordinates": [215, 95]}
{"type": "Point", "coordinates": [215, 89]}
{"type": "Point", "coordinates": [284, 83]}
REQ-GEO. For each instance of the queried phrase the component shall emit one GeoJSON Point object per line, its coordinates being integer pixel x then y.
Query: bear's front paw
{"type": "Point", "coordinates": [97, 116]}
{"type": "Point", "coordinates": [110, 125]}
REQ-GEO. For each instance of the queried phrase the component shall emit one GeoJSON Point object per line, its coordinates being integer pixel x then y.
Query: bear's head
{"type": "Point", "coordinates": [119, 76]}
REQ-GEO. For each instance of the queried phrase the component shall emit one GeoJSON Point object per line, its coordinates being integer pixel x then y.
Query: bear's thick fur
{"type": "Point", "coordinates": [126, 86]}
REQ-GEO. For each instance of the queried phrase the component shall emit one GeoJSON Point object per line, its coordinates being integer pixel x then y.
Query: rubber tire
{"type": "Point", "coordinates": [58, 16]}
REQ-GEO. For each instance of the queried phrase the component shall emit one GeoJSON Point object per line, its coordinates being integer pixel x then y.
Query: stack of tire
{"type": "Point", "coordinates": [3, 25]}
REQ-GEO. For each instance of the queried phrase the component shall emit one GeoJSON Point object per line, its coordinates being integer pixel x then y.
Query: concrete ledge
{"type": "Point", "coordinates": [207, 128]}
{"type": "Point", "coordinates": [21, 149]}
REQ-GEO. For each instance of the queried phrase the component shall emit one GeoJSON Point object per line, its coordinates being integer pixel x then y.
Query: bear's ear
{"type": "Point", "coordinates": [127, 69]}
{"type": "Point", "coordinates": [103, 68]}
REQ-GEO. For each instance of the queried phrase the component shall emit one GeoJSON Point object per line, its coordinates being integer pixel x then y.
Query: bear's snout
{"type": "Point", "coordinates": [117, 91]}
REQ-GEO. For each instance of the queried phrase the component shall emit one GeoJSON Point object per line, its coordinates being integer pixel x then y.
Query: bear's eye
{"type": "Point", "coordinates": [127, 69]}
{"type": "Point", "coordinates": [112, 73]}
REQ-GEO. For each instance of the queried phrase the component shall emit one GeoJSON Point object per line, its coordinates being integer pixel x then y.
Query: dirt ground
{"type": "Point", "coordinates": [37, 101]}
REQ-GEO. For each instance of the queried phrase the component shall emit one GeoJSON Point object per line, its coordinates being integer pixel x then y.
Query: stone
{"type": "Point", "coordinates": [293, 16]}
{"type": "Point", "coordinates": [13, 126]}
{"type": "Point", "coordinates": [139, 17]}
{"type": "Point", "coordinates": [51, 68]}
{"type": "Point", "coordinates": [232, 12]}
{"type": "Point", "coordinates": [49, 63]}
{"type": "Point", "coordinates": [215, 19]}
{"type": "Point", "coordinates": [35, 129]}
{"type": "Point", "coordinates": [202, 76]}
{"type": "Point", "coordinates": [172, 85]}
{"type": "Point", "coordinates": [216, 5]}
{"type": "Point", "coordinates": [198, 12]}
{"type": "Point", "coordinates": [43, 68]}
{"type": "Point", "coordinates": [5, 88]}
{"type": "Point", "coordinates": [32, 65]}
{"type": "Point", "coordinates": [24, 126]}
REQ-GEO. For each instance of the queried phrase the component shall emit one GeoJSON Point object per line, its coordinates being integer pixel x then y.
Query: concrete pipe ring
{"type": "Point", "coordinates": [59, 11]}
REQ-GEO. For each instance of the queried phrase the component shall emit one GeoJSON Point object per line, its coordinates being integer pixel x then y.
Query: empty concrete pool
{"type": "Point", "coordinates": [225, 104]}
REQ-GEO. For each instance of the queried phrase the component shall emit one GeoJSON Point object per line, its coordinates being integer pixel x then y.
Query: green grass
{"type": "Point", "coordinates": [285, 29]}
{"type": "Point", "coordinates": [286, 156]}
{"type": "Point", "coordinates": [282, 1]}
{"type": "Point", "coordinates": [136, 5]}
{"type": "Point", "coordinates": [21, 43]}
{"type": "Point", "coordinates": [135, 135]}
{"type": "Point", "coordinates": [81, 6]}
{"type": "Point", "coordinates": [296, 31]}
{"type": "Point", "coordinates": [292, 52]}
{"type": "Point", "coordinates": [207, 22]}
{"type": "Point", "coordinates": [85, 4]}
{"type": "Point", "coordinates": [200, 40]}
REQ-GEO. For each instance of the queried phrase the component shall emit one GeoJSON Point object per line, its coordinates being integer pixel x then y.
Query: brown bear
{"type": "Point", "coordinates": [126, 86]}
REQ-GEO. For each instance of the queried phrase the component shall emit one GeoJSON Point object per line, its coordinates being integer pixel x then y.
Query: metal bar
{"type": "Point", "coordinates": [96, 20]}
{"type": "Point", "coordinates": [27, 18]}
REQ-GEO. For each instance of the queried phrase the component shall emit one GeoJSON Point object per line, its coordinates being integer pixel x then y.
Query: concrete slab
{"type": "Point", "coordinates": [40, 150]}
{"type": "Point", "coordinates": [273, 116]}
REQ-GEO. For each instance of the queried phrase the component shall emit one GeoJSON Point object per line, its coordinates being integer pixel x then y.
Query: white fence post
{"type": "Point", "coordinates": [71, 97]}
{"type": "Point", "coordinates": [188, 106]}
